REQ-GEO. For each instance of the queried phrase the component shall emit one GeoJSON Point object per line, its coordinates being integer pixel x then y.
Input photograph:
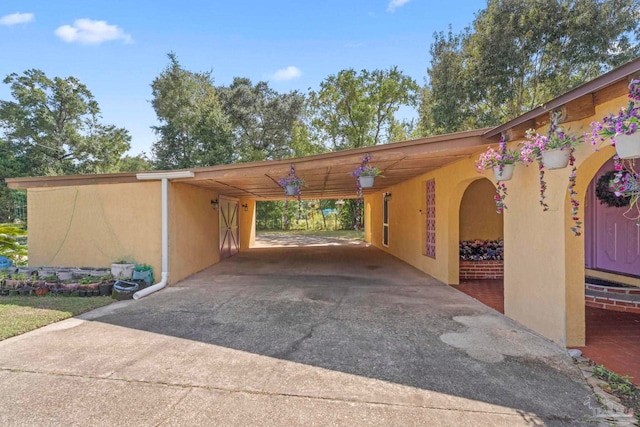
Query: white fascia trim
{"type": "Point", "coordinates": [163, 175]}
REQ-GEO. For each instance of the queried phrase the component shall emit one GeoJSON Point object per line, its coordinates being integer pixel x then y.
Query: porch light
{"type": "Point", "coordinates": [245, 207]}
{"type": "Point", "coordinates": [214, 204]}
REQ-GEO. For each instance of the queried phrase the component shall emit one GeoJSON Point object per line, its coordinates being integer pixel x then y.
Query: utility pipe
{"type": "Point", "coordinates": [164, 177]}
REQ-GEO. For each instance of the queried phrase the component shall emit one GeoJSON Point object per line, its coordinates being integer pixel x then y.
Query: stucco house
{"type": "Point", "coordinates": [429, 199]}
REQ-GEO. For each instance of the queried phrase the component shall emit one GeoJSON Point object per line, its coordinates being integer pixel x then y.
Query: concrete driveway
{"type": "Point", "coordinates": [340, 335]}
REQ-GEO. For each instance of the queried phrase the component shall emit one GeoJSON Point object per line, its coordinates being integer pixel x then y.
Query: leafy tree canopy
{"type": "Point", "coordinates": [520, 53]}
{"type": "Point", "coordinates": [51, 127]}
{"type": "Point", "coordinates": [352, 109]}
{"type": "Point", "coordinates": [266, 124]}
{"type": "Point", "coordinates": [194, 130]}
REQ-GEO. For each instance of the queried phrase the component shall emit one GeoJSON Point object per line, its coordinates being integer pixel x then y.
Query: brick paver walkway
{"type": "Point", "coordinates": [613, 338]}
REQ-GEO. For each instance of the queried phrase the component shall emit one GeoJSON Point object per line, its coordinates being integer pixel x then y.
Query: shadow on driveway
{"type": "Point", "coordinates": [360, 311]}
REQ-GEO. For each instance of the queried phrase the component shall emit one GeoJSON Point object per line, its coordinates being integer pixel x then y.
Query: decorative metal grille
{"type": "Point", "coordinates": [431, 219]}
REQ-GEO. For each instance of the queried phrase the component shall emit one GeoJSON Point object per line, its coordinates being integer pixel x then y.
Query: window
{"type": "Point", "coordinates": [385, 220]}
{"type": "Point", "coordinates": [431, 219]}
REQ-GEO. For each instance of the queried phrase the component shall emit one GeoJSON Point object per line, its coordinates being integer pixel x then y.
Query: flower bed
{"type": "Point", "coordinates": [481, 259]}
{"type": "Point", "coordinates": [481, 250]}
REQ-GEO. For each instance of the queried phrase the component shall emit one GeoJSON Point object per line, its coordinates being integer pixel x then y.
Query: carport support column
{"type": "Point", "coordinates": [164, 177]}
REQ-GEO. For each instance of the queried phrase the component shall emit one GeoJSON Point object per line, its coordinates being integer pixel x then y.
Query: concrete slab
{"type": "Point", "coordinates": [340, 335]}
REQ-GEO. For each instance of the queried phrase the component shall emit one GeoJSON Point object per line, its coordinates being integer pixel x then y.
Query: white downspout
{"type": "Point", "coordinates": [164, 176]}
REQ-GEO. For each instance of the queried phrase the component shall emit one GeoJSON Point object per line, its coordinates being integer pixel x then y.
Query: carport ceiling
{"type": "Point", "coordinates": [328, 175]}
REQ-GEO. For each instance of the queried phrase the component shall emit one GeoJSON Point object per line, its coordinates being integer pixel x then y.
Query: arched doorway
{"type": "Point", "coordinates": [481, 268]}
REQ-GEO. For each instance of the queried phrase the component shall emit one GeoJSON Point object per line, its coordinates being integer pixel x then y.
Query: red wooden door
{"type": "Point", "coordinates": [612, 242]}
{"type": "Point", "coordinates": [228, 230]}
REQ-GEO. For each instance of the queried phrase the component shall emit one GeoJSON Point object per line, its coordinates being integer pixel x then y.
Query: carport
{"type": "Point", "coordinates": [211, 210]}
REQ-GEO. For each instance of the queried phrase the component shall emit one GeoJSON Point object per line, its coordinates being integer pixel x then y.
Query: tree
{"type": "Point", "coordinates": [138, 163]}
{"type": "Point", "coordinates": [194, 130]}
{"type": "Point", "coordinates": [266, 124]}
{"type": "Point", "coordinates": [354, 110]}
{"type": "Point", "coordinates": [52, 128]}
{"type": "Point", "coordinates": [10, 247]}
{"type": "Point", "coordinates": [519, 54]}
{"type": "Point", "coordinates": [446, 105]}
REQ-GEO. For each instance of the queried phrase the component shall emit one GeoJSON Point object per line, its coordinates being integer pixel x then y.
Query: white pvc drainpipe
{"type": "Point", "coordinates": [165, 177]}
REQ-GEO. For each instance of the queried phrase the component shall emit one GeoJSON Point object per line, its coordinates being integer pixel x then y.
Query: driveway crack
{"type": "Point", "coordinates": [232, 390]}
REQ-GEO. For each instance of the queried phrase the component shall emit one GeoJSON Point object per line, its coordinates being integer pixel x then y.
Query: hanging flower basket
{"type": "Point", "coordinates": [291, 190]}
{"type": "Point", "coordinates": [505, 174]}
{"type": "Point", "coordinates": [628, 146]}
{"type": "Point", "coordinates": [556, 159]}
{"type": "Point", "coordinates": [366, 181]}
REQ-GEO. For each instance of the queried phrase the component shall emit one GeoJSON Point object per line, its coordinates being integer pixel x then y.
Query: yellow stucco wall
{"type": "Point", "coordinates": [478, 217]}
{"type": "Point", "coordinates": [193, 230]}
{"type": "Point", "coordinates": [544, 261]}
{"type": "Point", "coordinates": [407, 220]}
{"type": "Point", "coordinates": [94, 225]}
{"type": "Point", "coordinates": [247, 223]}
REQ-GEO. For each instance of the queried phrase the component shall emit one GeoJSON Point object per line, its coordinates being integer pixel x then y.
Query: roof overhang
{"type": "Point", "coordinates": [326, 175]}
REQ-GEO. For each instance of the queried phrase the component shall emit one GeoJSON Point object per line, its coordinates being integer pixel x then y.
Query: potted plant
{"type": "Point", "coordinates": [41, 289]}
{"type": "Point", "coordinates": [367, 175]}
{"type": "Point", "coordinates": [123, 268]}
{"type": "Point", "coordinates": [89, 285]}
{"type": "Point", "coordinates": [16, 280]}
{"type": "Point", "coordinates": [622, 128]}
{"type": "Point", "coordinates": [626, 184]}
{"type": "Point", "coordinates": [106, 284]}
{"type": "Point", "coordinates": [291, 183]}
{"type": "Point", "coordinates": [502, 162]}
{"type": "Point", "coordinates": [143, 273]}
{"type": "Point", "coordinates": [554, 151]}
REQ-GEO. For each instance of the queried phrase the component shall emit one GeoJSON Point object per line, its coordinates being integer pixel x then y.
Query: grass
{"type": "Point", "coordinates": [20, 314]}
{"type": "Point", "coordinates": [347, 234]}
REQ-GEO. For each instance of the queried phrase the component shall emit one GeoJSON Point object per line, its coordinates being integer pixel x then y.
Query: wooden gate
{"type": "Point", "coordinates": [228, 230]}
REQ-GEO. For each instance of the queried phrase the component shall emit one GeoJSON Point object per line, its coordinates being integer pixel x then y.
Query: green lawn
{"type": "Point", "coordinates": [20, 314]}
{"type": "Point", "coordinates": [347, 234]}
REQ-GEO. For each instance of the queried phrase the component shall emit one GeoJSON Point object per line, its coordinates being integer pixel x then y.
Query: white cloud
{"type": "Point", "coordinates": [288, 73]}
{"type": "Point", "coordinates": [16, 18]}
{"type": "Point", "coordinates": [87, 31]}
{"type": "Point", "coordinates": [394, 4]}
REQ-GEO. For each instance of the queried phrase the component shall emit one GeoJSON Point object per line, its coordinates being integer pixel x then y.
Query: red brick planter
{"type": "Point", "coordinates": [478, 270]}
{"type": "Point", "coordinates": [612, 298]}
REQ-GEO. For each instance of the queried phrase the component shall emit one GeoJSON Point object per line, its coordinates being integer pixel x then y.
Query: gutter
{"type": "Point", "coordinates": [164, 177]}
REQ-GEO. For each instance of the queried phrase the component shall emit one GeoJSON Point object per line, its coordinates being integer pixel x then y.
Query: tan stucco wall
{"type": "Point", "coordinates": [478, 217]}
{"type": "Point", "coordinates": [544, 261]}
{"type": "Point", "coordinates": [94, 225]}
{"type": "Point", "coordinates": [193, 230]}
{"type": "Point", "coordinates": [407, 220]}
{"type": "Point", "coordinates": [247, 223]}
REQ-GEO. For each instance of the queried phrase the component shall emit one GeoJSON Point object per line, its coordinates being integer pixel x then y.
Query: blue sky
{"type": "Point", "coordinates": [118, 47]}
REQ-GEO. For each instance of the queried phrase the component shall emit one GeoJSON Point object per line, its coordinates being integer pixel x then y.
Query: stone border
{"type": "Point", "coordinates": [605, 407]}
{"type": "Point", "coordinates": [625, 299]}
